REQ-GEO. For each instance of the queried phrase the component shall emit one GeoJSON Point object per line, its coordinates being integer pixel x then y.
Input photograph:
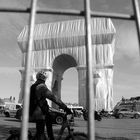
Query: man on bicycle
{"type": "Point", "coordinates": [39, 108]}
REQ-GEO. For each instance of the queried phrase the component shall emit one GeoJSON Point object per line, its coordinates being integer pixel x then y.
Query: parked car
{"type": "Point", "coordinates": [10, 109]}
{"type": "Point", "coordinates": [126, 112]}
{"type": "Point", "coordinates": [77, 110]}
{"type": "Point", "coordinates": [58, 117]}
{"type": "Point", "coordinates": [97, 116]}
{"type": "Point", "coordinates": [77, 113]}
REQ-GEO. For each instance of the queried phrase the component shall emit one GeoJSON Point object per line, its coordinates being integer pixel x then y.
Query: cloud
{"type": "Point", "coordinates": [9, 70]}
{"type": "Point", "coordinates": [126, 38]}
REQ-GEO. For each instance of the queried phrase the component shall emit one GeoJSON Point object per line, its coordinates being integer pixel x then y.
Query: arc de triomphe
{"type": "Point", "coordinates": [61, 45]}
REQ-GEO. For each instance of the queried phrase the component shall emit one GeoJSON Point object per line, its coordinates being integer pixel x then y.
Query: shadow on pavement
{"type": "Point", "coordinates": [111, 138]}
{"type": "Point", "coordinates": [12, 120]}
{"type": "Point", "coordinates": [4, 131]}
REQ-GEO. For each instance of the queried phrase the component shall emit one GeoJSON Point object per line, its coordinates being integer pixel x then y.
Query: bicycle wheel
{"type": "Point", "coordinates": [77, 136]}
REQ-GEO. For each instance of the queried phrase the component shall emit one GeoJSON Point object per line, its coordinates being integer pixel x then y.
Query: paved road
{"type": "Point", "coordinates": [126, 128]}
{"type": "Point", "coordinates": [107, 129]}
{"type": "Point", "coordinates": [114, 129]}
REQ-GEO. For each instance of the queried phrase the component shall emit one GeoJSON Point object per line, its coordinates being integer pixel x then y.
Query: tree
{"type": "Point", "coordinates": [1, 102]}
{"type": "Point", "coordinates": [10, 98]}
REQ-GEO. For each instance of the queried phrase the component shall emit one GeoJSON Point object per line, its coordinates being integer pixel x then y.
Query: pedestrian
{"type": "Point", "coordinates": [39, 108]}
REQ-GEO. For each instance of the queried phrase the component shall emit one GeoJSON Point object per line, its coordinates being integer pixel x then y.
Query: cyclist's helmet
{"type": "Point", "coordinates": [42, 75]}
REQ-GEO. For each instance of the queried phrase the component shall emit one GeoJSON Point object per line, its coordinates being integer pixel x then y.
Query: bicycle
{"type": "Point", "coordinates": [68, 123]}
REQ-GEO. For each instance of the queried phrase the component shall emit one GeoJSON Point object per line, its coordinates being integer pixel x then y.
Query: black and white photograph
{"type": "Point", "coordinates": [70, 69]}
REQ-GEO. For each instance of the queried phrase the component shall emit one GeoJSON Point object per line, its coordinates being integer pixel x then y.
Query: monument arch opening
{"type": "Point", "coordinates": [60, 65]}
{"type": "Point", "coordinates": [63, 62]}
{"type": "Point", "coordinates": [69, 91]}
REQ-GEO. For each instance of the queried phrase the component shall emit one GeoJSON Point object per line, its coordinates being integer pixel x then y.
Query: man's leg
{"type": "Point", "coordinates": [40, 130]}
{"type": "Point", "coordinates": [49, 126]}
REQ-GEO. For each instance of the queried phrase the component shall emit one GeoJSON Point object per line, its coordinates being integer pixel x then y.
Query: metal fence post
{"type": "Point", "coordinates": [137, 18]}
{"type": "Point", "coordinates": [89, 74]}
{"type": "Point", "coordinates": [26, 84]}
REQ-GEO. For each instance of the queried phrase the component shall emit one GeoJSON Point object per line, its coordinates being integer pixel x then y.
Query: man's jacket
{"type": "Point", "coordinates": [38, 104]}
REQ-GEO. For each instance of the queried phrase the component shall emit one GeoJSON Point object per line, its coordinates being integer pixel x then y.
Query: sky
{"type": "Point", "coordinates": [126, 79]}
